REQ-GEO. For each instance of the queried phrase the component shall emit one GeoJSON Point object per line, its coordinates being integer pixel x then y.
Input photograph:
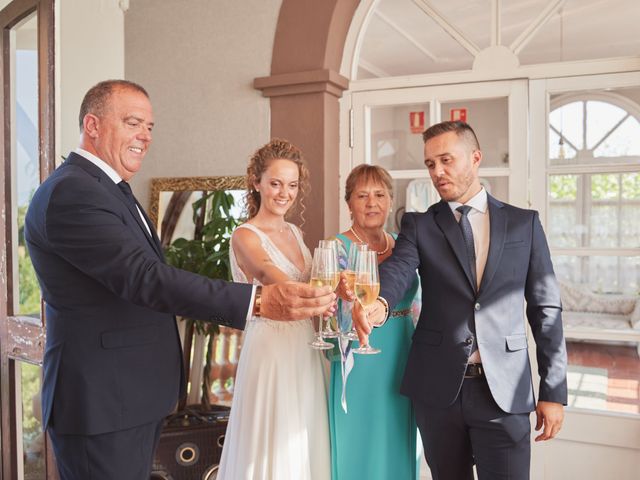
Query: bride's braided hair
{"type": "Point", "coordinates": [276, 149]}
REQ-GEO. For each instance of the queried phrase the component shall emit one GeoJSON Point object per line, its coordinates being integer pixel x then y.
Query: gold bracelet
{"type": "Point", "coordinates": [257, 301]}
{"type": "Point", "coordinates": [386, 312]}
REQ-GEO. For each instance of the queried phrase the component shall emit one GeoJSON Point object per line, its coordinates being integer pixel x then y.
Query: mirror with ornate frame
{"type": "Point", "coordinates": [172, 197]}
{"type": "Point", "coordinates": [171, 212]}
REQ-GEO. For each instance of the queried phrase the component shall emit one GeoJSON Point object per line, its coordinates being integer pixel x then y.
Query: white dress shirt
{"type": "Point", "coordinates": [112, 174]}
{"type": "Point", "coordinates": [479, 220]}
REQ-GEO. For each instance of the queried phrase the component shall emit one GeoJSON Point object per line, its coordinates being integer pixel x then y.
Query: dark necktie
{"type": "Point", "coordinates": [467, 234]}
{"type": "Point", "coordinates": [131, 202]}
{"type": "Point", "coordinates": [126, 189]}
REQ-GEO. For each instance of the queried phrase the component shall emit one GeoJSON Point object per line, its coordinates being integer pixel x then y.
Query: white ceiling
{"type": "Point", "coordinates": [402, 39]}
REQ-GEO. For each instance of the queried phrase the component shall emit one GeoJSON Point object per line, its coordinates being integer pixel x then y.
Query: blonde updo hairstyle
{"type": "Point", "coordinates": [276, 149]}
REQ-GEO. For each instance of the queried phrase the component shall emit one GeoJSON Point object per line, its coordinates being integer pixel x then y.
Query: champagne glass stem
{"type": "Point", "coordinates": [365, 349]}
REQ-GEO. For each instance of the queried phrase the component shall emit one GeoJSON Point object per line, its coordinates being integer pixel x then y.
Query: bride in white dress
{"type": "Point", "coordinates": [278, 427]}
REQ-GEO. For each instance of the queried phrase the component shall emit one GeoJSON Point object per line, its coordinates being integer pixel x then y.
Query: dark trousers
{"type": "Point", "coordinates": [475, 430]}
{"type": "Point", "coordinates": [122, 455]}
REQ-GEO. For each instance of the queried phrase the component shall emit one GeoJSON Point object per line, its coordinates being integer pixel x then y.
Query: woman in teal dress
{"type": "Point", "coordinates": [373, 430]}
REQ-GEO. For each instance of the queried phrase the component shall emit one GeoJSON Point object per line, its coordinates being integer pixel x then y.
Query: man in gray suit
{"type": "Point", "coordinates": [468, 372]}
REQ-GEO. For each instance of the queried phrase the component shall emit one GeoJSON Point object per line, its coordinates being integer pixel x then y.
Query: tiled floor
{"type": "Point", "coordinates": [604, 377]}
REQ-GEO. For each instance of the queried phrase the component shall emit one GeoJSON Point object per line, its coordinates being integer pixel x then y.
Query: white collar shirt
{"type": "Point", "coordinates": [112, 174]}
{"type": "Point", "coordinates": [479, 220]}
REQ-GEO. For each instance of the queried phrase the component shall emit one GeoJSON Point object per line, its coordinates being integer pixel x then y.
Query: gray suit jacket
{"type": "Point", "coordinates": [454, 315]}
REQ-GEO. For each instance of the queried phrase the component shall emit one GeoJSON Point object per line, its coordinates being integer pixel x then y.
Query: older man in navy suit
{"type": "Point", "coordinates": [112, 363]}
{"type": "Point", "coordinates": [468, 373]}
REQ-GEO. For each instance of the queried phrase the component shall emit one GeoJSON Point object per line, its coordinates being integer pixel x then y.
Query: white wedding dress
{"type": "Point", "coordinates": [278, 426]}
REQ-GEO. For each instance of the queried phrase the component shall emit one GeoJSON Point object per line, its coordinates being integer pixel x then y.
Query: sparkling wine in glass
{"type": "Point", "coordinates": [350, 273]}
{"type": "Point", "coordinates": [367, 289]}
{"type": "Point", "coordinates": [332, 329]}
{"type": "Point", "coordinates": [324, 271]}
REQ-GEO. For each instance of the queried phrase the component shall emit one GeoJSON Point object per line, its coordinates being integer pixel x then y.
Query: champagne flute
{"type": "Point", "coordinates": [367, 289]}
{"type": "Point", "coordinates": [332, 329]}
{"type": "Point", "coordinates": [323, 272]}
{"type": "Point", "coordinates": [350, 273]}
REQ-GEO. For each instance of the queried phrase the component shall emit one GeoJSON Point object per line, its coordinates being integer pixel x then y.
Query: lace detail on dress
{"type": "Point", "coordinates": [278, 258]}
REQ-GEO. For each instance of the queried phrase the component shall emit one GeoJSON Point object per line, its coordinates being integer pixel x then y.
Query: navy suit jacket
{"type": "Point", "coordinates": [112, 358]}
{"type": "Point", "coordinates": [454, 315]}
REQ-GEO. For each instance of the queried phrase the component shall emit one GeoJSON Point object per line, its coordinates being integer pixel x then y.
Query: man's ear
{"type": "Point", "coordinates": [476, 156]}
{"type": "Point", "coordinates": [91, 125]}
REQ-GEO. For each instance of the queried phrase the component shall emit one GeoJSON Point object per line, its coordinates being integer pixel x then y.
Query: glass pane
{"type": "Point", "coordinates": [490, 120]}
{"type": "Point", "coordinates": [630, 226]}
{"type": "Point", "coordinates": [563, 228]}
{"type": "Point", "coordinates": [602, 130]}
{"type": "Point", "coordinates": [604, 223]}
{"type": "Point", "coordinates": [496, 186]}
{"type": "Point", "coordinates": [567, 122]}
{"type": "Point", "coordinates": [630, 211]}
{"type": "Point", "coordinates": [609, 217]}
{"type": "Point", "coordinates": [602, 119]}
{"type": "Point", "coordinates": [559, 148]}
{"type": "Point", "coordinates": [394, 145]}
{"type": "Point", "coordinates": [615, 275]}
{"type": "Point", "coordinates": [624, 141]}
{"type": "Point", "coordinates": [410, 195]}
{"type": "Point", "coordinates": [604, 376]}
{"type": "Point", "coordinates": [32, 435]}
{"type": "Point", "coordinates": [25, 157]}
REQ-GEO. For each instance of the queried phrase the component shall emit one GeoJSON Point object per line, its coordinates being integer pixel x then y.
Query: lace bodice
{"type": "Point", "coordinates": [278, 258]}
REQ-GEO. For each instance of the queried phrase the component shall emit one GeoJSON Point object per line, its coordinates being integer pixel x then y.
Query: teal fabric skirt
{"type": "Point", "coordinates": [376, 439]}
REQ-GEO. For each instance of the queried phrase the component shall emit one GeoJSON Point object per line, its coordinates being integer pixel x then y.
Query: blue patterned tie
{"type": "Point", "coordinates": [467, 233]}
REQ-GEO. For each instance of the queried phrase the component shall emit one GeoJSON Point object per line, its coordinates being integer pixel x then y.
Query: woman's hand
{"type": "Point", "coordinates": [343, 291]}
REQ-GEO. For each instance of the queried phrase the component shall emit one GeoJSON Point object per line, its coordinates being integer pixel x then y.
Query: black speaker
{"type": "Point", "coordinates": [191, 444]}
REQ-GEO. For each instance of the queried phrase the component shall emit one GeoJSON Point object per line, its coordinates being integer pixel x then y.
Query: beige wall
{"type": "Point", "coordinates": [198, 59]}
{"type": "Point", "coordinates": [89, 48]}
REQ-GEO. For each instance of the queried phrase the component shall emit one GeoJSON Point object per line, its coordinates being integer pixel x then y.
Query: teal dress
{"type": "Point", "coordinates": [376, 439]}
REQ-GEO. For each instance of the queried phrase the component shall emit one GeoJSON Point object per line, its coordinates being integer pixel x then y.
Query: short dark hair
{"type": "Point", "coordinates": [96, 98]}
{"type": "Point", "coordinates": [462, 129]}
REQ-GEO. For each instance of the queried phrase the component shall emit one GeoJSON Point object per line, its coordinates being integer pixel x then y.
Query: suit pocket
{"type": "Point", "coordinates": [516, 342]}
{"type": "Point", "coordinates": [514, 244]}
{"type": "Point", "coordinates": [129, 337]}
{"type": "Point", "coordinates": [427, 337]}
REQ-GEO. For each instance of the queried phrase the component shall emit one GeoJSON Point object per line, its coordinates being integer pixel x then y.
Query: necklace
{"type": "Point", "coordinates": [386, 241]}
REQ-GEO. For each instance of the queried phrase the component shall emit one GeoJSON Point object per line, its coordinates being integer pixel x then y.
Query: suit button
{"type": "Point", "coordinates": [476, 307]}
{"type": "Point", "coordinates": [469, 341]}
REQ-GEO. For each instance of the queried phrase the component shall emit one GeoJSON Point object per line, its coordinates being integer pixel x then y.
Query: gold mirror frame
{"type": "Point", "coordinates": [185, 184]}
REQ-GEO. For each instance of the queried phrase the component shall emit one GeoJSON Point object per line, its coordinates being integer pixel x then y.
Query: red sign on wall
{"type": "Point", "coordinates": [458, 114]}
{"type": "Point", "coordinates": [416, 122]}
